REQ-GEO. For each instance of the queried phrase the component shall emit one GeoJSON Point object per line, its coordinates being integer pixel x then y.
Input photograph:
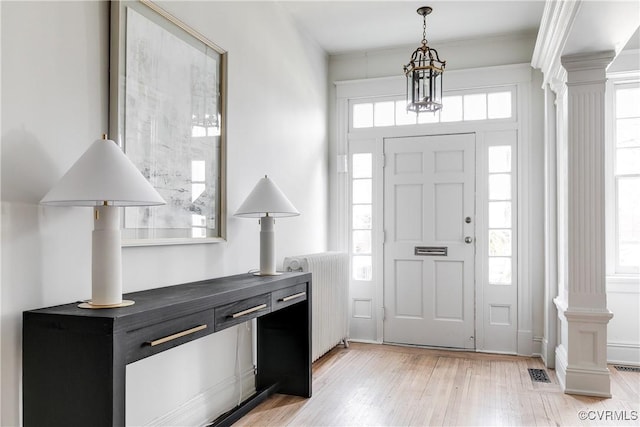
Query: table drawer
{"type": "Point", "coordinates": [152, 339]}
{"type": "Point", "coordinates": [289, 296]}
{"type": "Point", "coordinates": [241, 311]}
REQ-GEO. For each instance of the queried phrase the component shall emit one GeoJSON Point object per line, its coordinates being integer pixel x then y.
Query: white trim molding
{"type": "Point", "coordinates": [623, 353]}
{"type": "Point", "coordinates": [557, 19]}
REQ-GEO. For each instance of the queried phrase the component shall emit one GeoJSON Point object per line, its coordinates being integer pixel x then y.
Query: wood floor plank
{"type": "Point", "coordinates": [384, 385]}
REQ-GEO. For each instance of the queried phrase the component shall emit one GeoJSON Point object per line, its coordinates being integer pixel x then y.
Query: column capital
{"type": "Point", "coordinates": [586, 68]}
{"type": "Point", "coordinates": [588, 60]}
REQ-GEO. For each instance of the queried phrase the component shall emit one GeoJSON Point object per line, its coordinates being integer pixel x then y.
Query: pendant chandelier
{"type": "Point", "coordinates": [424, 74]}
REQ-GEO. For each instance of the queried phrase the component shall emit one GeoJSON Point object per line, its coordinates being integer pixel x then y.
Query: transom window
{"type": "Point", "coordinates": [457, 107]}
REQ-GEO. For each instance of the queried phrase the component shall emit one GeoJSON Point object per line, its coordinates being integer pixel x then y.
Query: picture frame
{"type": "Point", "coordinates": [168, 113]}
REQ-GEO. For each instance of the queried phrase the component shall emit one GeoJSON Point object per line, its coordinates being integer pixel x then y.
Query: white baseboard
{"type": "Point", "coordinates": [547, 354]}
{"type": "Point", "coordinates": [209, 404]}
{"type": "Point", "coordinates": [365, 341]}
{"type": "Point", "coordinates": [536, 346]}
{"type": "Point", "coordinates": [623, 353]}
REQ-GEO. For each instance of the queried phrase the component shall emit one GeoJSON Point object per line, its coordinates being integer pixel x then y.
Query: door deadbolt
{"type": "Point", "coordinates": [468, 239]}
{"type": "Point", "coordinates": [468, 220]}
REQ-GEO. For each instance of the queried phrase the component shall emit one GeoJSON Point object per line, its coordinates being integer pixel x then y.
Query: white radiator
{"type": "Point", "coordinates": [329, 296]}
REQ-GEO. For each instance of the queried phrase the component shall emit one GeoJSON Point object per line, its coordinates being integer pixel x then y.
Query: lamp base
{"type": "Point", "coordinates": [257, 273]}
{"type": "Point", "coordinates": [124, 303]}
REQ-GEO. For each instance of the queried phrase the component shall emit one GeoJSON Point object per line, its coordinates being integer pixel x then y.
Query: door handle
{"type": "Point", "coordinates": [468, 239]}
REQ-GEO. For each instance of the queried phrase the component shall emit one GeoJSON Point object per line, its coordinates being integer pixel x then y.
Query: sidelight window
{"type": "Point", "coordinates": [361, 216]}
{"type": "Point", "coordinates": [500, 215]}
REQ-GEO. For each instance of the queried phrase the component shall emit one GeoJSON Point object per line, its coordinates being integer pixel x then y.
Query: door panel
{"type": "Point", "coordinates": [429, 186]}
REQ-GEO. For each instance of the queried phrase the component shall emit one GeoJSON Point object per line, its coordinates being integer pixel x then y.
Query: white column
{"type": "Point", "coordinates": [581, 356]}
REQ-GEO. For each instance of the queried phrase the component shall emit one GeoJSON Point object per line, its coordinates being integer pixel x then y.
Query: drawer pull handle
{"type": "Point", "coordinates": [176, 335]}
{"type": "Point", "coordinates": [248, 311]}
{"type": "Point", "coordinates": [294, 296]}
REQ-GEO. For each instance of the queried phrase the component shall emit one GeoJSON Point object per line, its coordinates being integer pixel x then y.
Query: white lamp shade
{"type": "Point", "coordinates": [266, 198]}
{"type": "Point", "coordinates": [103, 173]}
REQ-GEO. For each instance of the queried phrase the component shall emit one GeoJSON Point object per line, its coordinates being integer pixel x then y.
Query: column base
{"type": "Point", "coordinates": [581, 356]}
{"type": "Point", "coordinates": [582, 381]}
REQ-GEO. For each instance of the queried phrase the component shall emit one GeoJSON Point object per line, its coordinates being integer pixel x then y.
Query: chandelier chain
{"type": "Point", "coordinates": [424, 29]}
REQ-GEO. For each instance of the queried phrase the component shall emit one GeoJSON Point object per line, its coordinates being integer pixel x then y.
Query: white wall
{"type": "Point", "coordinates": [55, 103]}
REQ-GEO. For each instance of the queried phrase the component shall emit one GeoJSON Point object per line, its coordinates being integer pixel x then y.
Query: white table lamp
{"type": "Point", "coordinates": [267, 202]}
{"type": "Point", "coordinates": [103, 177]}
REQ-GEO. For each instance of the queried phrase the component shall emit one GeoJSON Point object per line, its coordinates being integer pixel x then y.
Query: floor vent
{"type": "Point", "coordinates": [539, 375]}
{"type": "Point", "coordinates": [627, 368]}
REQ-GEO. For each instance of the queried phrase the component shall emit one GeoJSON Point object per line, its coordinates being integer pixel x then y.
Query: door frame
{"type": "Point", "coordinates": [518, 76]}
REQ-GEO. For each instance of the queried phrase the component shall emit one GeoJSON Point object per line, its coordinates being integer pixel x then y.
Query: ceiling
{"type": "Point", "coordinates": [343, 26]}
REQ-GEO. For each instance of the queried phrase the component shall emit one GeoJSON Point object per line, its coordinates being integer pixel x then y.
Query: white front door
{"type": "Point", "coordinates": [429, 223]}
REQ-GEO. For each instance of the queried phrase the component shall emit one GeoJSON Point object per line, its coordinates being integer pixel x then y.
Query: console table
{"type": "Point", "coordinates": [74, 360]}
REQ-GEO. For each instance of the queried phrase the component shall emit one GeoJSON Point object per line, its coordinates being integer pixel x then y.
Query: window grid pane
{"type": "Point", "coordinates": [500, 186]}
{"type": "Point", "coordinates": [361, 217]}
{"type": "Point", "coordinates": [361, 241]}
{"type": "Point", "coordinates": [499, 105]}
{"type": "Point", "coordinates": [627, 161]}
{"type": "Point", "coordinates": [499, 214]}
{"type": "Point", "coordinates": [499, 159]}
{"type": "Point", "coordinates": [362, 165]}
{"type": "Point", "coordinates": [628, 102]}
{"type": "Point", "coordinates": [500, 242]}
{"type": "Point", "coordinates": [429, 117]}
{"type": "Point", "coordinates": [384, 114]}
{"type": "Point", "coordinates": [363, 115]}
{"type": "Point", "coordinates": [500, 270]}
{"type": "Point", "coordinates": [362, 268]}
{"type": "Point", "coordinates": [361, 191]}
{"type": "Point", "coordinates": [451, 109]}
{"type": "Point", "coordinates": [475, 106]}
{"type": "Point", "coordinates": [628, 133]}
{"type": "Point", "coordinates": [404, 117]}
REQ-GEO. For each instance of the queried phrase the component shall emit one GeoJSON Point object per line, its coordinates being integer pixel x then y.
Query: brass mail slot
{"type": "Point", "coordinates": [430, 250]}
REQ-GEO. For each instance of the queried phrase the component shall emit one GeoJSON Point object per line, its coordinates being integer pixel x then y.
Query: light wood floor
{"type": "Point", "coordinates": [383, 385]}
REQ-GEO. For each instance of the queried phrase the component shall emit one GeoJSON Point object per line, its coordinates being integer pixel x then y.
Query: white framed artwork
{"type": "Point", "coordinates": [168, 100]}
